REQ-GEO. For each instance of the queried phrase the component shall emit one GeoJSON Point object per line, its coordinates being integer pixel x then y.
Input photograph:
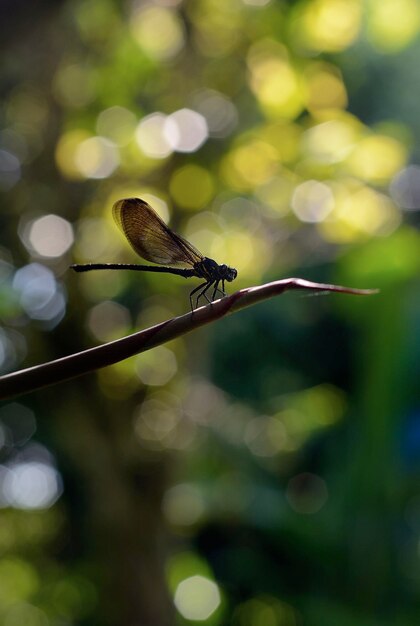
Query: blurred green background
{"type": "Point", "coordinates": [263, 471]}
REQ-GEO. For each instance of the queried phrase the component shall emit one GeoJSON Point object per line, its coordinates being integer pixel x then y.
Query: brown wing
{"type": "Point", "coordinates": [150, 237]}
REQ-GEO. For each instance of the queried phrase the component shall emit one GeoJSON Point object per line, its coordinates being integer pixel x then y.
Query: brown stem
{"type": "Point", "coordinates": [39, 376]}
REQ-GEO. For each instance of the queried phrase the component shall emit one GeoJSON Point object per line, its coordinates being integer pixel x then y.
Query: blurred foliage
{"type": "Point", "coordinates": [265, 471]}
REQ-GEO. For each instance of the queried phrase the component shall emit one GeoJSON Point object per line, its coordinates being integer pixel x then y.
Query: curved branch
{"type": "Point", "coordinates": [57, 371]}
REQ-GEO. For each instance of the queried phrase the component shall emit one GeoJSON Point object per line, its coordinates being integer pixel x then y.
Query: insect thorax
{"type": "Point", "coordinates": [212, 271]}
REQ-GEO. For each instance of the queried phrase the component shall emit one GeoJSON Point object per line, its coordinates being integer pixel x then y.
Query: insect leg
{"type": "Point", "coordinates": [221, 291]}
{"type": "Point", "coordinates": [203, 293]}
{"type": "Point", "coordinates": [195, 291]}
{"type": "Point", "coordinates": [215, 290]}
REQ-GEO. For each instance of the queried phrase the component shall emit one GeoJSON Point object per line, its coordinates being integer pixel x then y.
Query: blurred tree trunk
{"type": "Point", "coordinates": [122, 507]}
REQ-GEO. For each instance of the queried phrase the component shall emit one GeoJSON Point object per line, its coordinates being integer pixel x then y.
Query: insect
{"type": "Point", "coordinates": [154, 241]}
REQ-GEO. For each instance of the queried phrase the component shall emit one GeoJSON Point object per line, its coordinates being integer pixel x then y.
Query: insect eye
{"type": "Point", "coordinates": [232, 273]}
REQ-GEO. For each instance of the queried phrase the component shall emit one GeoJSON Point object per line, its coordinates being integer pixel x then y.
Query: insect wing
{"type": "Point", "coordinates": [150, 237]}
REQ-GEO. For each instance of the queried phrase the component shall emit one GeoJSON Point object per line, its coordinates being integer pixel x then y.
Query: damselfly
{"type": "Point", "coordinates": [154, 241]}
